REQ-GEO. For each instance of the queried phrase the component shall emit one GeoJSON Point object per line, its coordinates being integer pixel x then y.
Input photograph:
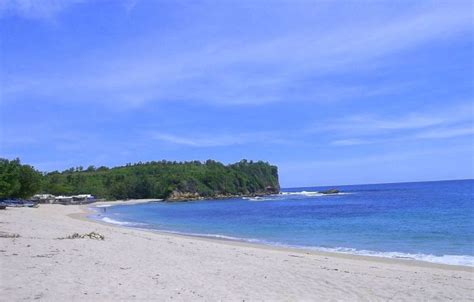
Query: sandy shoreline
{"type": "Point", "coordinates": [86, 211]}
{"type": "Point", "coordinates": [134, 264]}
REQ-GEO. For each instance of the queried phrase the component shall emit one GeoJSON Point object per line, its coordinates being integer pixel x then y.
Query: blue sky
{"type": "Point", "coordinates": [332, 92]}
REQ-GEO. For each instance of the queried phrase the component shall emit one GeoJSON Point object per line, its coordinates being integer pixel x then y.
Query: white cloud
{"type": "Point", "coordinates": [370, 124]}
{"type": "Point", "coordinates": [35, 9]}
{"type": "Point", "coordinates": [349, 142]}
{"type": "Point", "coordinates": [446, 133]}
{"type": "Point", "coordinates": [264, 70]}
{"type": "Point", "coordinates": [453, 121]}
{"type": "Point", "coordinates": [47, 9]}
{"type": "Point", "coordinates": [373, 158]}
{"type": "Point", "coordinates": [436, 133]}
{"type": "Point", "coordinates": [217, 140]}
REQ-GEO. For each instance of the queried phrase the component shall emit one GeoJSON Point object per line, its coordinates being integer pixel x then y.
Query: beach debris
{"type": "Point", "coordinates": [50, 255]}
{"type": "Point", "coordinates": [91, 235]}
{"type": "Point", "coordinates": [8, 235]}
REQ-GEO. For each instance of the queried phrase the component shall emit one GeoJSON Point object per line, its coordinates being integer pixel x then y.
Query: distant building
{"type": "Point", "coordinates": [63, 199]}
{"type": "Point", "coordinates": [74, 199]}
{"type": "Point", "coordinates": [44, 198]}
{"type": "Point", "coordinates": [83, 198]}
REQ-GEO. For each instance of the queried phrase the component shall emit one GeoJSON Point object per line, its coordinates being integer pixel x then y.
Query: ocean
{"type": "Point", "coordinates": [429, 221]}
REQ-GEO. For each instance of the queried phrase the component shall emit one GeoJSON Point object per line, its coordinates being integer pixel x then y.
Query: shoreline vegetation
{"type": "Point", "coordinates": [167, 180]}
{"type": "Point", "coordinates": [148, 265]}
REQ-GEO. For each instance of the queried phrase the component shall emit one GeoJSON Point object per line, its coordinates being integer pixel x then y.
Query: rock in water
{"type": "Point", "coordinates": [330, 191]}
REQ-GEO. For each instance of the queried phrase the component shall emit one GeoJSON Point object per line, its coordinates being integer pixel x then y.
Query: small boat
{"type": "Point", "coordinates": [13, 203]}
{"type": "Point", "coordinates": [17, 203]}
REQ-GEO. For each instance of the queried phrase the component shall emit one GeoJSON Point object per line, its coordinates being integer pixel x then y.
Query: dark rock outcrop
{"type": "Point", "coordinates": [187, 196]}
{"type": "Point", "coordinates": [330, 191]}
{"type": "Point", "coordinates": [183, 196]}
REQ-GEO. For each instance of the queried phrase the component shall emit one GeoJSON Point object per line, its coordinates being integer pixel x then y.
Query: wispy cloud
{"type": "Point", "coordinates": [367, 124]}
{"type": "Point", "coordinates": [432, 134]}
{"type": "Point", "coordinates": [218, 140]}
{"type": "Point", "coordinates": [373, 158]}
{"type": "Point", "coordinates": [48, 10]}
{"type": "Point", "coordinates": [269, 69]}
{"type": "Point", "coordinates": [350, 142]}
{"type": "Point", "coordinates": [346, 131]}
{"type": "Point", "coordinates": [33, 9]}
{"type": "Point", "coordinates": [446, 133]}
{"type": "Point", "coordinates": [450, 122]}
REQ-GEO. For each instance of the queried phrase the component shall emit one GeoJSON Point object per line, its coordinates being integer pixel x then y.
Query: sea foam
{"type": "Point", "coordinates": [311, 193]}
{"type": "Point", "coordinates": [464, 260]}
{"type": "Point", "coordinates": [125, 223]}
{"type": "Point", "coordinates": [304, 193]}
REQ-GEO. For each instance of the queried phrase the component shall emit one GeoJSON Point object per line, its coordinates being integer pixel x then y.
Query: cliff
{"type": "Point", "coordinates": [172, 181]}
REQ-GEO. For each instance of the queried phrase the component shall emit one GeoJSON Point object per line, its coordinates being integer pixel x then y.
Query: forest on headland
{"type": "Point", "coordinates": [156, 179]}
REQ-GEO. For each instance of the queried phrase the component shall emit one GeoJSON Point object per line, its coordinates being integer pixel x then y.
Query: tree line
{"type": "Point", "coordinates": [17, 180]}
{"type": "Point", "coordinates": [156, 179]}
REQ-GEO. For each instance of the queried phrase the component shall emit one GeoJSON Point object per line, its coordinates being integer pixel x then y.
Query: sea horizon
{"type": "Point", "coordinates": [374, 183]}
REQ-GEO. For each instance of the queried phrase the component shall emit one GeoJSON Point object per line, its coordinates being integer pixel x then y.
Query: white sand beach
{"type": "Point", "coordinates": [141, 265]}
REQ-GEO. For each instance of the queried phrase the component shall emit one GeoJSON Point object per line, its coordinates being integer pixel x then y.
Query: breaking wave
{"type": "Point", "coordinates": [464, 260]}
{"type": "Point", "coordinates": [125, 223]}
{"type": "Point", "coordinates": [304, 193]}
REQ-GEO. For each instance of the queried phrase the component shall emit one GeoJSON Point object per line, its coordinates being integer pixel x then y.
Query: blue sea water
{"type": "Point", "coordinates": [430, 221]}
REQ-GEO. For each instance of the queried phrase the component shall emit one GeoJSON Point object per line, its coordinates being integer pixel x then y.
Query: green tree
{"type": "Point", "coordinates": [160, 179]}
{"type": "Point", "coordinates": [17, 180]}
